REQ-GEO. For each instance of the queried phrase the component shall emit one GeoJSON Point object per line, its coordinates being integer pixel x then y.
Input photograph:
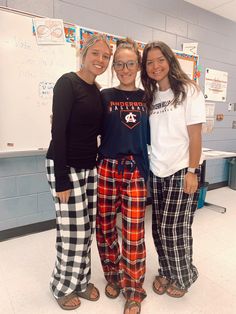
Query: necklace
{"type": "Point", "coordinates": [127, 93]}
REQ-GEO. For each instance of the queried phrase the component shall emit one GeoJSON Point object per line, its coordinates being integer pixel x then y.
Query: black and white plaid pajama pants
{"type": "Point", "coordinates": [75, 222]}
{"type": "Point", "coordinates": [172, 218]}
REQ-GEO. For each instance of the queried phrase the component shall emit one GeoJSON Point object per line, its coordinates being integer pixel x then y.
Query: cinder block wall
{"type": "Point", "coordinates": [24, 193]}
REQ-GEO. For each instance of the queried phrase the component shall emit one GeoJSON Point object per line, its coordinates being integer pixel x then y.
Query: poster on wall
{"type": "Point", "coordinates": [49, 31]}
{"type": "Point", "coordinates": [70, 33]}
{"type": "Point", "coordinates": [190, 48]}
{"type": "Point", "coordinates": [216, 85]}
{"type": "Point", "coordinates": [188, 63]}
{"type": "Point", "coordinates": [208, 126]}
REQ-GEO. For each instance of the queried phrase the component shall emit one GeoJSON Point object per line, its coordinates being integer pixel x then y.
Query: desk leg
{"type": "Point", "coordinates": [217, 208]}
{"type": "Point", "coordinates": [203, 173]}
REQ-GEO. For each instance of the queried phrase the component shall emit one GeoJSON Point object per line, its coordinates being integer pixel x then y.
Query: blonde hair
{"type": "Point", "coordinates": [92, 41]}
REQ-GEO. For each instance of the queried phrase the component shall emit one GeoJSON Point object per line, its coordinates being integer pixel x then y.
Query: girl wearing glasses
{"type": "Point", "coordinates": [177, 111]}
{"type": "Point", "coordinates": [122, 175]}
{"type": "Point", "coordinates": [72, 174]}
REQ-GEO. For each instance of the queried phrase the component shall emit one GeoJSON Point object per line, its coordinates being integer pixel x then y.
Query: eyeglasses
{"type": "Point", "coordinates": [130, 65]}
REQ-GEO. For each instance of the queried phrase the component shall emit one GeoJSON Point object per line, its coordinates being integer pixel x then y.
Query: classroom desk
{"type": "Point", "coordinates": [210, 154]}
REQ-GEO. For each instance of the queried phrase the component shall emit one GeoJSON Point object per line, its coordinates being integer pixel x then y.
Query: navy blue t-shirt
{"type": "Point", "coordinates": [125, 129]}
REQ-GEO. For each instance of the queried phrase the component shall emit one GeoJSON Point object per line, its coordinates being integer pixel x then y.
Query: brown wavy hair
{"type": "Point", "coordinates": [178, 79]}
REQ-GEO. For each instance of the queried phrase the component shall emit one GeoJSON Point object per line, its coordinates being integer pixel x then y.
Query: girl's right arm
{"type": "Point", "coordinates": [63, 99]}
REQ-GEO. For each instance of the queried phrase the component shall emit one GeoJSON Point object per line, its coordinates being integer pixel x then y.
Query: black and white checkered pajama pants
{"type": "Point", "coordinates": [172, 218]}
{"type": "Point", "coordinates": [75, 223]}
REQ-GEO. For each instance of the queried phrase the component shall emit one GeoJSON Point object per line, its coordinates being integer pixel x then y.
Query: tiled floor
{"type": "Point", "coordinates": [26, 264]}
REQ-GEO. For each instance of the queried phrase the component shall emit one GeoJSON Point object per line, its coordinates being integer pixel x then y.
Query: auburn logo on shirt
{"type": "Point", "coordinates": [130, 118]}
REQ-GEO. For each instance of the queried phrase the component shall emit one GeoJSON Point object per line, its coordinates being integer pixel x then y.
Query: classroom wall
{"type": "Point", "coordinates": [24, 193]}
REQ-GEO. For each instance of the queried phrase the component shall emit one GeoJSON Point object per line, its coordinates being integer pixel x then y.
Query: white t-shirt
{"type": "Point", "coordinates": [169, 136]}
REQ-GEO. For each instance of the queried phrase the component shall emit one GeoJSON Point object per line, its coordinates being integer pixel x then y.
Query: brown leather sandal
{"type": "Point", "coordinates": [163, 283]}
{"type": "Point", "coordinates": [88, 292]}
{"type": "Point", "coordinates": [63, 301]}
{"type": "Point", "coordinates": [131, 303]}
{"type": "Point", "coordinates": [175, 291]}
{"type": "Point", "coordinates": [116, 289]}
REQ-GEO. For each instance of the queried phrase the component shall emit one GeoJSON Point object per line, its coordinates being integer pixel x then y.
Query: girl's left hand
{"type": "Point", "coordinates": [190, 183]}
{"type": "Point", "coordinates": [64, 196]}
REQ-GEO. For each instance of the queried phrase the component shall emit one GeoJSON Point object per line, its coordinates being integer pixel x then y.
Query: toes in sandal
{"type": "Point", "coordinates": [63, 301]}
{"type": "Point", "coordinates": [175, 292]}
{"type": "Point", "coordinates": [131, 303]}
{"type": "Point", "coordinates": [116, 289]}
{"type": "Point", "coordinates": [163, 283]}
{"type": "Point", "coordinates": [87, 294]}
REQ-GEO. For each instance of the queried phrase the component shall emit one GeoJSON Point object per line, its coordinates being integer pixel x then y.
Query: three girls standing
{"type": "Point", "coordinates": [176, 108]}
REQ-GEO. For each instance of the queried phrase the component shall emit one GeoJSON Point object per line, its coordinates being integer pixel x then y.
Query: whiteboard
{"type": "Point", "coordinates": [28, 74]}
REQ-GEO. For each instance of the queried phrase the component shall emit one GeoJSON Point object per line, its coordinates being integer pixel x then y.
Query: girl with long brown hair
{"type": "Point", "coordinates": [177, 110]}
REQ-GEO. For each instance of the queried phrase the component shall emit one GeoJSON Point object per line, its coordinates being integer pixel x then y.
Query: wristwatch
{"type": "Point", "coordinates": [193, 170]}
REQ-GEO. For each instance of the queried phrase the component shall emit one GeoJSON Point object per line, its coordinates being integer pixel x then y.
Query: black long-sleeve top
{"type": "Point", "coordinates": [77, 116]}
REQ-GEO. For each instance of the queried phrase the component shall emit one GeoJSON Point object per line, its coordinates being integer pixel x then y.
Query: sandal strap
{"type": "Point", "coordinates": [88, 292]}
{"type": "Point", "coordinates": [89, 288]}
{"type": "Point", "coordinates": [63, 300]}
{"type": "Point", "coordinates": [132, 303]}
{"type": "Point", "coordinates": [163, 285]}
{"type": "Point", "coordinates": [174, 286]}
{"type": "Point", "coordinates": [175, 291]}
{"type": "Point", "coordinates": [115, 287]}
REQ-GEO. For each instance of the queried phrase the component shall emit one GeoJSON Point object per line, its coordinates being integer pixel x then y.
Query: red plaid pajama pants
{"type": "Point", "coordinates": [120, 187]}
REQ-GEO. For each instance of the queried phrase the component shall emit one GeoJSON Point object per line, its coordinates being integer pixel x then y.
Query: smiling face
{"type": "Point", "coordinates": [128, 59]}
{"type": "Point", "coordinates": [157, 68]}
{"type": "Point", "coordinates": [96, 60]}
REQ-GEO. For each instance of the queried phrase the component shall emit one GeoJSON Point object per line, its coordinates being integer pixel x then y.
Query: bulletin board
{"type": "Point", "coordinates": [188, 63]}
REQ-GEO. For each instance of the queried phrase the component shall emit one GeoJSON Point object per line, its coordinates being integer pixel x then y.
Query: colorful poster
{"type": "Point", "coordinates": [70, 34]}
{"type": "Point", "coordinates": [188, 63]}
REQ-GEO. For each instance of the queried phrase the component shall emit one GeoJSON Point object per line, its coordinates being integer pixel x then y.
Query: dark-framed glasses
{"type": "Point", "coordinates": [130, 65]}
